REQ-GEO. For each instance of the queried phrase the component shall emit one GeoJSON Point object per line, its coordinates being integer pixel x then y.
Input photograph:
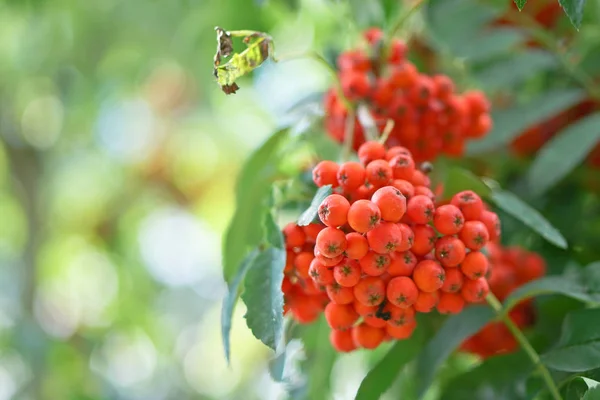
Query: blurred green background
{"type": "Point", "coordinates": [118, 159]}
{"type": "Point", "coordinates": [118, 156]}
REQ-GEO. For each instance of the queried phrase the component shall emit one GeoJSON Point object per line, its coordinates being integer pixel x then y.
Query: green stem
{"type": "Point", "coordinates": [389, 126]}
{"type": "Point", "coordinates": [551, 43]}
{"type": "Point", "coordinates": [403, 18]}
{"type": "Point", "coordinates": [527, 347]}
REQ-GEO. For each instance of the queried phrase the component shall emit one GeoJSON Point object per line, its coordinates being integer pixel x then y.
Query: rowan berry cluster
{"type": "Point", "coordinates": [430, 117]}
{"type": "Point", "coordinates": [385, 250]}
{"type": "Point", "coordinates": [510, 268]}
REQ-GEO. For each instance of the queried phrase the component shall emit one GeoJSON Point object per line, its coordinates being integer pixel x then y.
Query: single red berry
{"type": "Point", "coordinates": [402, 291]}
{"type": "Point", "coordinates": [333, 210]}
{"type": "Point", "coordinates": [426, 301]}
{"type": "Point", "coordinates": [425, 238]}
{"type": "Point", "coordinates": [429, 276]}
{"type": "Point", "coordinates": [331, 242]}
{"type": "Point", "coordinates": [403, 166]}
{"type": "Point", "coordinates": [294, 235]}
{"type": "Point", "coordinates": [396, 151]}
{"type": "Point", "coordinates": [402, 264]}
{"type": "Point", "coordinates": [492, 223]}
{"type": "Point", "coordinates": [340, 316]}
{"type": "Point", "coordinates": [450, 251]}
{"type": "Point", "coordinates": [420, 209]}
{"type": "Point", "coordinates": [347, 273]}
{"type": "Point", "coordinates": [325, 173]}
{"type": "Point", "coordinates": [391, 203]}
{"type": "Point", "coordinates": [351, 175]}
{"type": "Point", "coordinates": [453, 281]}
{"type": "Point", "coordinates": [375, 264]}
{"type": "Point", "coordinates": [475, 265]}
{"type": "Point", "coordinates": [469, 203]}
{"type": "Point", "coordinates": [370, 291]}
{"type": "Point", "coordinates": [367, 336]}
{"type": "Point", "coordinates": [319, 273]}
{"type": "Point", "coordinates": [357, 246]}
{"type": "Point", "coordinates": [328, 261]}
{"type": "Point", "coordinates": [370, 151]}
{"type": "Point", "coordinates": [302, 264]}
{"type": "Point", "coordinates": [384, 238]}
{"type": "Point", "coordinates": [405, 187]}
{"type": "Point", "coordinates": [398, 316]}
{"type": "Point", "coordinates": [475, 291]}
{"type": "Point", "coordinates": [408, 238]}
{"type": "Point", "coordinates": [448, 220]}
{"type": "Point", "coordinates": [401, 332]}
{"type": "Point", "coordinates": [339, 294]}
{"type": "Point", "coordinates": [474, 234]}
{"type": "Point", "coordinates": [450, 303]}
{"type": "Point", "coordinates": [342, 340]}
{"type": "Point", "coordinates": [379, 173]}
{"type": "Point", "coordinates": [363, 216]}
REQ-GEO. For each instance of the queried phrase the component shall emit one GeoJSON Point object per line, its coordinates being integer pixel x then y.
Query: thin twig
{"type": "Point", "coordinates": [389, 127]}
{"type": "Point", "coordinates": [527, 347]}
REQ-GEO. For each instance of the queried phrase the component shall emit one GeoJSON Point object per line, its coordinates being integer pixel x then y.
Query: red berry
{"type": "Point", "coordinates": [333, 211]}
{"type": "Point", "coordinates": [375, 264]}
{"type": "Point", "coordinates": [363, 216]}
{"type": "Point", "coordinates": [351, 175]}
{"type": "Point", "coordinates": [340, 316]}
{"type": "Point", "coordinates": [402, 291]}
{"type": "Point", "coordinates": [420, 209]}
{"type": "Point", "coordinates": [370, 291]}
{"type": "Point", "coordinates": [469, 203]}
{"type": "Point", "coordinates": [402, 264]}
{"type": "Point", "coordinates": [450, 303]}
{"type": "Point", "coordinates": [342, 341]}
{"type": "Point", "coordinates": [429, 276]}
{"type": "Point", "coordinates": [347, 273]}
{"type": "Point", "coordinates": [325, 173]}
{"type": "Point", "coordinates": [453, 281]}
{"type": "Point", "coordinates": [450, 251]}
{"type": "Point", "coordinates": [448, 220]}
{"type": "Point", "coordinates": [367, 336]}
{"type": "Point", "coordinates": [391, 203]}
{"type": "Point", "coordinates": [357, 246]}
{"type": "Point", "coordinates": [474, 234]}
{"type": "Point", "coordinates": [475, 291]}
{"type": "Point", "coordinates": [384, 238]}
{"type": "Point", "coordinates": [424, 241]}
{"type": "Point", "coordinates": [379, 173]}
{"type": "Point", "coordinates": [370, 151]}
{"type": "Point", "coordinates": [321, 274]}
{"type": "Point", "coordinates": [331, 242]}
{"type": "Point", "coordinates": [426, 301]}
{"type": "Point", "coordinates": [475, 265]}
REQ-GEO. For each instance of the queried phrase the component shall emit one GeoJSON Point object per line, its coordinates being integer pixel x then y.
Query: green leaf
{"type": "Point", "coordinates": [246, 227]}
{"type": "Point", "coordinates": [452, 333]}
{"type": "Point", "coordinates": [563, 153]}
{"type": "Point", "coordinates": [512, 71]}
{"type": "Point", "coordinates": [516, 207]}
{"type": "Point", "coordinates": [579, 346]}
{"type": "Point", "coordinates": [277, 366]}
{"type": "Point", "coordinates": [459, 179]}
{"type": "Point", "coordinates": [582, 285]}
{"type": "Point", "coordinates": [592, 394]}
{"type": "Point", "coordinates": [263, 297]}
{"type": "Point", "coordinates": [574, 10]}
{"type": "Point", "coordinates": [510, 123]}
{"type": "Point", "coordinates": [231, 300]}
{"type": "Point", "coordinates": [500, 376]}
{"type": "Point", "coordinates": [489, 44]}
{"type": "Point", "coordinates": [520, 4]}
{"type": "Point", "coordinates": [382, 376]}
{"type": "Point", "coordinates": [312, 212]}
{"type": "Point", "coordinates": [273, 232]}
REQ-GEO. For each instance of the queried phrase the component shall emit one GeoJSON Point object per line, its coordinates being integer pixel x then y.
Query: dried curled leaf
{"type": "Point", "coordinates": [260, 48]}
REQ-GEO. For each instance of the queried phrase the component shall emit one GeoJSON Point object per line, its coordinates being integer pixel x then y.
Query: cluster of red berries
{"type": "Point", "coordinates": [384, 250]}
{"type": "Point", "coordinates": [430, 117]}
{"type": "Point", "coordinates": [510, 268]}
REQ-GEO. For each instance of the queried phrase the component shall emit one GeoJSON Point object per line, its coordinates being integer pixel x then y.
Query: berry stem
{"type": "Point", "coordinates": [389, 126]}
{"type": "Point", "coordinates": [552, 44]}
{"type": "Point", "coordinates": [527, 347]}
{"type": "Point", "coordinates": [348, 135]}
{"type": "Point", "coordinates": [404, 16]}
{"type": "Point", "coordinates": [321, 60]}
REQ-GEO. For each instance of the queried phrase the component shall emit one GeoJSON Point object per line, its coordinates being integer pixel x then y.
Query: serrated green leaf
{"type": "Point", "coordinates": [497, 377]}
{"type": "Point", "coordinates": [520, 4]}
{"type": "Point", "coordinates": [516, 207]}
{"type": "Point", "coordinates": [277, 365]}
{"type": "Point", "coordinates": [312, 212]}
{"type": "Point", "coordinates": [263, 297]}
{"type": "Point", "coordinates": [574, 10]}
{"type": "Point", "coordinates": [452, 333]}
{"type": "Point", "coordinates": [245, 229]}
{"type": "Point", "coordinates": [510, 123]}
{"type": "Point", "coordinates": [514, 70]}
{"type": "Point", "coordinates": [459, 179]}
{"type": "Point", "coordinates": [231, 300]}
{"type": "Point", "coordinates": [563, 153]}
{"type": "Point", "coordinates": [582, 285]}
{"type": "Point", "coordinates": [273, 232]}
{"type": "Point", "coordinates": [381, 377]}
{"type": "Point", "coordinates": [579, 346]}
